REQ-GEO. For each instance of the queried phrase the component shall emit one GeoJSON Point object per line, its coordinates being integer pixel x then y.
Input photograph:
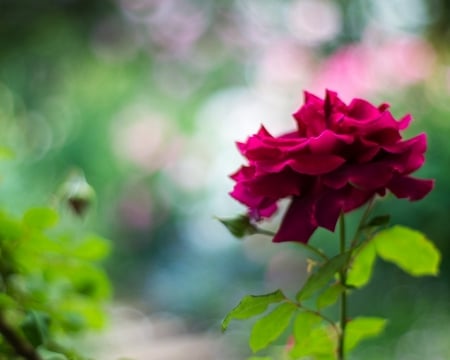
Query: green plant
{"type": "Point", "coordinates": [52, 287]}
{"type": "Point", "coordinates": [338, 158]}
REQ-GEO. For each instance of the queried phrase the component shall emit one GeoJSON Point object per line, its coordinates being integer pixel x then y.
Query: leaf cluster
{"type": "Point", "coordinates": [52, 286]}
{"type": "Point", "coordinates": [313, 334]}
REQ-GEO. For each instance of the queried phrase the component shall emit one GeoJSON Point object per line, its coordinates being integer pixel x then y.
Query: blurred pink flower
{"type": "Point", "coordinates": [366, 68]}
{"type": "Point", "coordinates": [146, 139]}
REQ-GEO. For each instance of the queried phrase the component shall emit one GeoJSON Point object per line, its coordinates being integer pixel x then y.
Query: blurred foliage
{"type": "Point", "coordinates": [51, 286]}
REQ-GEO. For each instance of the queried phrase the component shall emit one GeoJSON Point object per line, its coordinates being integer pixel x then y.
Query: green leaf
{"type": "Point", "coordinates": [91, 281]}
{"type": "Point", "coordinates": [271, 326]}
{"type": "Point", "coordinates": [252, 305]}
{"type": "Point", "coordinates": [320, 278]}
{"type": "Point", "coordinates": [259, 358]}
{"type": "Point", "coordinates": [362, 328]}
{"type": "Point", "coordinates": [35, 327]}
{"type": "Point", "coordinates": [6, 153]}
{"type": "Point", "coordinates": [92, 248]}
{"type": "Point", "coordinates": [40, 218]}
{"type": "Point", "coordinates": [91, 314]}
{"type": "Point", "coordinates": [362, 265]}
{"type": "Point", "coordinates": [330, 295]}
{"type": "Point", "coordinates": [311, 337]}
{"type": "Point", "coordinates": [51, 355]}
{"type": "Point", "coordinates": [408, 249]}
{"type": "Point", "coordinates": [304, 323]}
{"type": "Point", "coordinates": [10, 229]}
{"type": "Point", "coordinates": [6, 301]}
{"type": "Point", "coordinates": [239, 226]}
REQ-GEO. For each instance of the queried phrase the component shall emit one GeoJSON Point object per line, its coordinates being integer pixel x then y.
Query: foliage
{"type": "Point", "coordinates": [52, 287]}
{"type": "Point", "coordinates": [314, 334]}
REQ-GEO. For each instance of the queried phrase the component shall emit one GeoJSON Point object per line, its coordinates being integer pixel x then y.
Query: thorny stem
{"type": "Point", "coordinates": [343, 280]}
{"type": "Point", "coordinates": [20, 345]}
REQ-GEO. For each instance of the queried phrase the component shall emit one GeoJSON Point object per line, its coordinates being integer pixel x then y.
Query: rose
{"type": "Point", "coordinates": [338, 158]}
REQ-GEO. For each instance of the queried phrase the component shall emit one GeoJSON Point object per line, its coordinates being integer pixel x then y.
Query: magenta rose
{"type": "Point", "coordinates": [338, 158]}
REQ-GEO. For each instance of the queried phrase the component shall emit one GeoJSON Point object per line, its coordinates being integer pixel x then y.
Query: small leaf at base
{"type": "Point", "coordinates": [239, 226]}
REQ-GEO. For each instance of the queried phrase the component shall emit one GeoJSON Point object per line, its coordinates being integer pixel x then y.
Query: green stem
{"type": "Point", "coordinates": [362, 222]}
{"type": "Point", "coordinates": [265, 232]}
{"type": "Point", "coordinates": [311, 248]}
{"type": "Point", "coordinates": [343, 279]}
{"type": "Point", "coordinates": [20, 345]}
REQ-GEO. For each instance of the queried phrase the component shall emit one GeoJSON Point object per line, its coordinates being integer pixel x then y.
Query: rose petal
{"type": "Point", "coordinates": [409, 187]}
{"type": "Point", "coordinates": [404, 122]}
{"type": "Point", "coordinates": [245, 173]}
{"type": "Point", "coordinates": [419, 143]}
{"type": "Point", "coordinates": [362, 110]}
{"type": "Point", "coordinates": [329, 142]}
{"type": "Point", "coordinates": [279, 185]}
{"type": "Point", "coordinates": [369, 176]}
{"type": "Point", "coordinates": [268, 210]}
{"type": "Point", "coordinates": [316, 164]}
{"type": "Point", "coordinates": [332, 202]}
{"type": "Point", "coordinates": [259, 206]}
{"type": "Point", "coordinates": [311, 120]}
{"type": "Point", "coordinates": [328, 209]}
{"type": "Point", "coordinates": [298, 223]}
{"type": "Point", "coordinates": [366, 150]}
{"type": "Point", "coordinates": [242, 194]}
{"type": "Point", "coordinates": [312, 99]}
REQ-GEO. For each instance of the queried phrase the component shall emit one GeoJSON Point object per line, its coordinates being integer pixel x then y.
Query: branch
{"type": "Point", "coordinates": [20, 345]}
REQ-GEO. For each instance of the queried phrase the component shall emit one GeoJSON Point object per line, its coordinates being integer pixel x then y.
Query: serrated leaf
{"type": "Point", "coordinates": [362, 328]}
{"type": "Point", "coordinates": [330, 295]}
{"type": "Point", "coordinates": [320, 278]}
{"type": "Point", "coordinates": [239, 226]}
{"type": "Point", "coordinates": [252, 305]}
{"type": "Point", "coordinates": [361, 268]}
{"type": "Point", "coordinates": [408, 249]}
{"type": "Point", "coordinates": [35, 327]}
{"type": "Point", "coordinates": [41, 218]}
{"type": "Point", "coordinates": [271, 326]}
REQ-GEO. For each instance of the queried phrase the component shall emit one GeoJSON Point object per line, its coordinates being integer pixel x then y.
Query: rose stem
{"type": "Point", "coordinates": [343, 304]}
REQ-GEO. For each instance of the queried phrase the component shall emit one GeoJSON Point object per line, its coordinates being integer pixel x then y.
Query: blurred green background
{"type": "Point", "coordinates": [147, 97]}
